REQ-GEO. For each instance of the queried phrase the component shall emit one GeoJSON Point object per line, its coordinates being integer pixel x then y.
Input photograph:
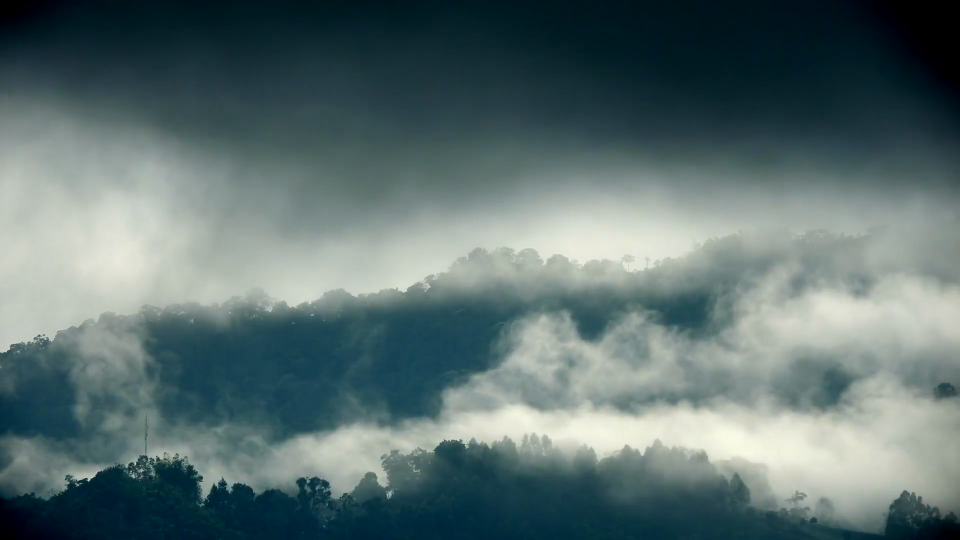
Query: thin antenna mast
{"type": "Point", "coordinates": [146, 425]}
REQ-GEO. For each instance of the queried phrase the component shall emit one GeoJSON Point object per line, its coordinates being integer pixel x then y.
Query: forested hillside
{"type": "Point", "coordinates": [498, 329]}
{"type": "Point", "coordinates": [389, 355]}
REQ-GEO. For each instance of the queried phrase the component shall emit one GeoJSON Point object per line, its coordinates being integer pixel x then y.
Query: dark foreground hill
{"type": "Point", "coordinates": [460, 491]}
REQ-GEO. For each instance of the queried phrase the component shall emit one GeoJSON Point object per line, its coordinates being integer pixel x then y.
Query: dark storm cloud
{"type": "Point", "coordinates": [451, 98]}
{"type": "Point", "coordinates": [187, 151]}
{"type": "Point", "coordinates": [369, 103]}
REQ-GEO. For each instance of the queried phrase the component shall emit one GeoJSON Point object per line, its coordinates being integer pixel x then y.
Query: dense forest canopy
{"type": "Point", "coordinates": [458, 490]}
{"type": "Point", "coordinates": [762, 324]}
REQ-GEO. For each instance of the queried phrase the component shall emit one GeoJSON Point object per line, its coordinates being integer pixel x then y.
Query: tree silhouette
{"type": "Point", "coordinates": [944, 390]}
{"type": "Point", "coordinates": [910, 518]}
{"type": "Point", "coordinates": [465, 491]}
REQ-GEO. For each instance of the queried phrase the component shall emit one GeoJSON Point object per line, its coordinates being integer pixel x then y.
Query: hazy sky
{"type": "Point", "coordinates": [156, 152]}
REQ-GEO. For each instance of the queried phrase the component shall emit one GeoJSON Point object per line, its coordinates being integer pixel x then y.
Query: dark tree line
{"type": "Point", "coordinates": [909, 518]}
{"type": "Point", "coordinates": [461, 491]}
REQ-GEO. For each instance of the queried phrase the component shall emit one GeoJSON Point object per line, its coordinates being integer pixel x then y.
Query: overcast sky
{"type": "Point", "coordinates": [155, 152]}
